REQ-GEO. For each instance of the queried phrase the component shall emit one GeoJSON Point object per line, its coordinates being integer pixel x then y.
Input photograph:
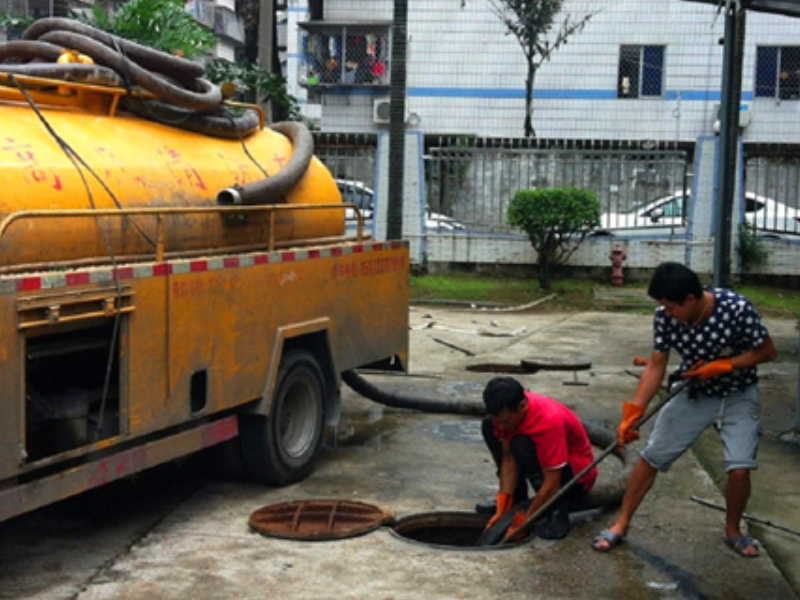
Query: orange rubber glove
{"type": "Point", "coordinates": [516, 522]}
{"type": "Point", "coordinates": [710, 370]}
{"type": "Point", "coordinates": [504, 503]}
{"type": "Point", "coordinates": [630, 414]}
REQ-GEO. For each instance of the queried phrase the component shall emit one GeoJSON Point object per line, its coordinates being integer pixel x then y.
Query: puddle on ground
{"type": "Point", "coordinates": [367, 429]}
{"type": "Point", "coordinates": [683, 581]}
{"type": "Point", "coordinates": [464, 390]}
{"type": "Point", "coordinates": [468, 431]}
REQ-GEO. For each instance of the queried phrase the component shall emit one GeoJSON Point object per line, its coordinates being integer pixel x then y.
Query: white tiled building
{"type": "Point", "coordinates": [641, 69]}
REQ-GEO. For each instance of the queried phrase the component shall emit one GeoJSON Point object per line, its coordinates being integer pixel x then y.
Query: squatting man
{"type": "Point", "coordinates": [535, 439]}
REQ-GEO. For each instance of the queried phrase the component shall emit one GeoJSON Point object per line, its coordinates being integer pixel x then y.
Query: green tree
{"type": "Point", "coordinates": [161, 24]}
{"type": "Point", "coordinates": [530, 21]}
{"type": "Point", "coordinates": [256, 85]}
{"type": "Point", "coordinates": [557, 220]}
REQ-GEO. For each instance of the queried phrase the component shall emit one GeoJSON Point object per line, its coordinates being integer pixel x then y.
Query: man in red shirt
{"type": "Point", "coordinates": [534, 438]}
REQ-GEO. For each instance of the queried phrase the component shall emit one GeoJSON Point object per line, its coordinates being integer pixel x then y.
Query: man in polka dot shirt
{"type": "Point", "coordinates": [720, 339]}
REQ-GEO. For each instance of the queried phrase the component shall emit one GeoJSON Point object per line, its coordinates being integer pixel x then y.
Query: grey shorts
{"type": "Point", "coordinates": [682, 420]}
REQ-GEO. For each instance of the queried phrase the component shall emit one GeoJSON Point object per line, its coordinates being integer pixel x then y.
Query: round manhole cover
{"type": "Point", "coordinates": [318, 519]}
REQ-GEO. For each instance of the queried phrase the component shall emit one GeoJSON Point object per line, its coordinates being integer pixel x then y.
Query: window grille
{"type": "Point", "coordinates": [345, 55]}
{"type": "Point", "coordinates": [641, 71]}
{"type": "Point", "coordinates": [778, 72]}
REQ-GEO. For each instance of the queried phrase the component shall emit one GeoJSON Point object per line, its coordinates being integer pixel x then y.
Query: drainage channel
{"type": "Point", "coordinates": [318, 520]}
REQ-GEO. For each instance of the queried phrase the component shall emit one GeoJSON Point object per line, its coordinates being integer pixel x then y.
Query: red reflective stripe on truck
{"type": "Point", "coordinates": [77, 278]}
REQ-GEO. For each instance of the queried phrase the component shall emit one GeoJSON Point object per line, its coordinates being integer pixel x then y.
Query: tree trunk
{"type": "Point", "coordinates": [529, 131]}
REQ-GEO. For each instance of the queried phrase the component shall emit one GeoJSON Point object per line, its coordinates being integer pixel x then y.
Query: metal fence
{"type": "Point", "coordinates": [470, 181]}
{"type": "Point", "coordinates": [772, 199]}
{"type": "Point", "coordinates": [474, 180]}
{"type": "Point", "coordinates": [351, 160]}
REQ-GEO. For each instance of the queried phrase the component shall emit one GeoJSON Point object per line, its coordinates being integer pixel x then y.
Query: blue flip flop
{"type": "Point", "coordinates": [739, 543]}
{"type": "Point", "coordinates": [613, 540]}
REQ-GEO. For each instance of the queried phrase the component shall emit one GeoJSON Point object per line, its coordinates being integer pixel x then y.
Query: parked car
{"type": "Point", "coordinates": [355, 192]}
{"type": "Point", "coordinates": [668, 211]}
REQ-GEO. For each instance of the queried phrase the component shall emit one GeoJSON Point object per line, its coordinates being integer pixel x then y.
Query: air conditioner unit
{"type": "Point", "coordinates": [381, 111]}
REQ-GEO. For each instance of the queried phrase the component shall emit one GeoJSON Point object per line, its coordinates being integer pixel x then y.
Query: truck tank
{"type": "Point", "coordinates": [144, 164]}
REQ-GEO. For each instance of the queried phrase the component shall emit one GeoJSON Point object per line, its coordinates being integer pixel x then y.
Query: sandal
{"type": "Point", "coordinates": [612, 539]}
{"type": "Point", "coordinates": [740, 543]}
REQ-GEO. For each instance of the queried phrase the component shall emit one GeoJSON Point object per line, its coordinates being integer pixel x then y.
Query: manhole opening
{"type": "Point", "coordinates": [447, 530]}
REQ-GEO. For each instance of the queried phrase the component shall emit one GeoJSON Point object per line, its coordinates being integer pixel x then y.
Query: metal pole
{"type": "Point", "coordinates": [397, 122]}
{"type": "Point", "coordinates": [728, 139]}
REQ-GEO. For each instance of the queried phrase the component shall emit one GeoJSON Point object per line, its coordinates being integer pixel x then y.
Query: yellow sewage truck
{"type": "Point", "coordinates": [164, 290]}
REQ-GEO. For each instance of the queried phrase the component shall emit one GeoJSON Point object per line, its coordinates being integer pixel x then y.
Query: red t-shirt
{"type": "Point", "coordinates": [558, 435]}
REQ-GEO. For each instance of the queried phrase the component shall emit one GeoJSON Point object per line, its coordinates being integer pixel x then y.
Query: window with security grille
{"type": "Point", "coordinates": [641, 71]}
{"type": "Point", "coordinates": [778, 72]}
{"type": "Point", "coordinates": [345, 55]}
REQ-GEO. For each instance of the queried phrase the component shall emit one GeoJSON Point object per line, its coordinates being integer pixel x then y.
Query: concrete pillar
{"type": "Point", "coordinates": [414, 194]}
{"type": "Point", "coordinates": [702, 213]}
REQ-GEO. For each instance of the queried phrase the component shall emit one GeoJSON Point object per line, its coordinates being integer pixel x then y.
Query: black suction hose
{"type": "Point", "coordinates": [175, 67]}
{"type": "Point", "coordinates": [272, 189]}
{"type": "Point", "coordinates": [77, 72]}
{"type": "Point", "coordinates": [28, 50]}
{"type": "Point", "coordinates": [217, 123]}
{"type": "Point", "coordinates": [203, 96]}
{"type": "Point", "coordinates": [366, 389]}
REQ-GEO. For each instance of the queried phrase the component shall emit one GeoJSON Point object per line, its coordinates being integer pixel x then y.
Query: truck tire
{"type": "Point", "coordinates": [281, 448]}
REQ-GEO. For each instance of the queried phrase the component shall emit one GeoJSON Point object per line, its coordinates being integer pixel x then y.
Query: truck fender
{"type": "Point", "coordinates": [283, 337]}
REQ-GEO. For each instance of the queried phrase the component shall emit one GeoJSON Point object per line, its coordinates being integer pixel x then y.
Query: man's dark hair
{"type": "Point", "coordinates": [674, 282]}
{"type": "Point", "coordinates": [502, 393]}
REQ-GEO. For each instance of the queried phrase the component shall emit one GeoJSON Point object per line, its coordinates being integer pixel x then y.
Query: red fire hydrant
{"type": "Point", "coordinates": [617, 257]}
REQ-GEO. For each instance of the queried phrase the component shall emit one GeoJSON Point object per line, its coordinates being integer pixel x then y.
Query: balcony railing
{"type": "Point", "coordinates": [345, 54]}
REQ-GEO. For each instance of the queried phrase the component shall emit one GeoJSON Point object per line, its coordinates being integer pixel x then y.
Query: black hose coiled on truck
{"type": "Point", "coordinates": [183, 97]}
{"type": "Point", "coordinates": [603, 494]}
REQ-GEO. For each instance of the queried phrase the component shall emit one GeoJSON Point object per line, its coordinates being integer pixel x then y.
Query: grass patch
{"type": "Point", "coordinates": [572, 294]}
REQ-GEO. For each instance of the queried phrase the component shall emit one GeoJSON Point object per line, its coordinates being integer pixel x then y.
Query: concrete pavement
{"type": "Point", "coordinates": [410, 463]}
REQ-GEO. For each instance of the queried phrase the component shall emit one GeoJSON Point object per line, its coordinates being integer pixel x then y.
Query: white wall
{"type": "Point", "coordinates": [466, 75]}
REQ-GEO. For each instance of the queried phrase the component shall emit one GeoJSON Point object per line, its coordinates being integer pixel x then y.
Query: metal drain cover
{"type": "Point", "coordinates": [318, 519]}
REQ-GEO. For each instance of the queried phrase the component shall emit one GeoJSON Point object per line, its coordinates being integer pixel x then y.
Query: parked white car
{"type": "Point", "coordinates": [764, 213]}
{"type": "Point", "coordinates": [355, 192]}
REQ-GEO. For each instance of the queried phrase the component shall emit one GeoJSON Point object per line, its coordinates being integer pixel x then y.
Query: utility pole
{"type": "Point", "coordinates": [728, 139]}
{"type": "Point", "coordinates": [397, 121]}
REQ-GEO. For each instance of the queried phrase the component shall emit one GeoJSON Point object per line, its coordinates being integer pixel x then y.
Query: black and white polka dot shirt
{"type": "Point", "coordinates": [734, 327]}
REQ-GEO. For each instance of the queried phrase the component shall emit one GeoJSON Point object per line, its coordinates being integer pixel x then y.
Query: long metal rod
{"type": "Point", "coordinates": [746, 516]}
{"type": "Point", "coordinates": [611, 447]}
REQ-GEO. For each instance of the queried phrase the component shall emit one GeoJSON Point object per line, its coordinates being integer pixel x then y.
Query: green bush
{"type": "Point", "coordinates": [556, 220]}
{"type": "Point", "coordinates": [752, 252]}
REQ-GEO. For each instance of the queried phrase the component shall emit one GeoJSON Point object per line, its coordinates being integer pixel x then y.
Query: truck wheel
{"type": "Point", "coordinates": [281, 448]}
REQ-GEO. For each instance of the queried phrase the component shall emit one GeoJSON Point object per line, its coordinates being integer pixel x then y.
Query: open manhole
{"type": "Point", "coordinates": [447, 530]}
{"type": "Point", "coordinates": [318, 519]}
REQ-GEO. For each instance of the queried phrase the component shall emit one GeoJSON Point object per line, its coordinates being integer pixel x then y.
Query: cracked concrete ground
{"type": "Point", "coordinates": [175, 533]}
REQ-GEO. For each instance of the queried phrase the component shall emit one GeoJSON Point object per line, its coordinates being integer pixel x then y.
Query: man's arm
{"type": "Point", "coordinates": [749, 358]}
{"type": "Point", "coordinates": [550, 485]}
{"type": "Point", "coordinates": [649, 384]}
{"type": "Point", "coordinates": [509, 471]}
